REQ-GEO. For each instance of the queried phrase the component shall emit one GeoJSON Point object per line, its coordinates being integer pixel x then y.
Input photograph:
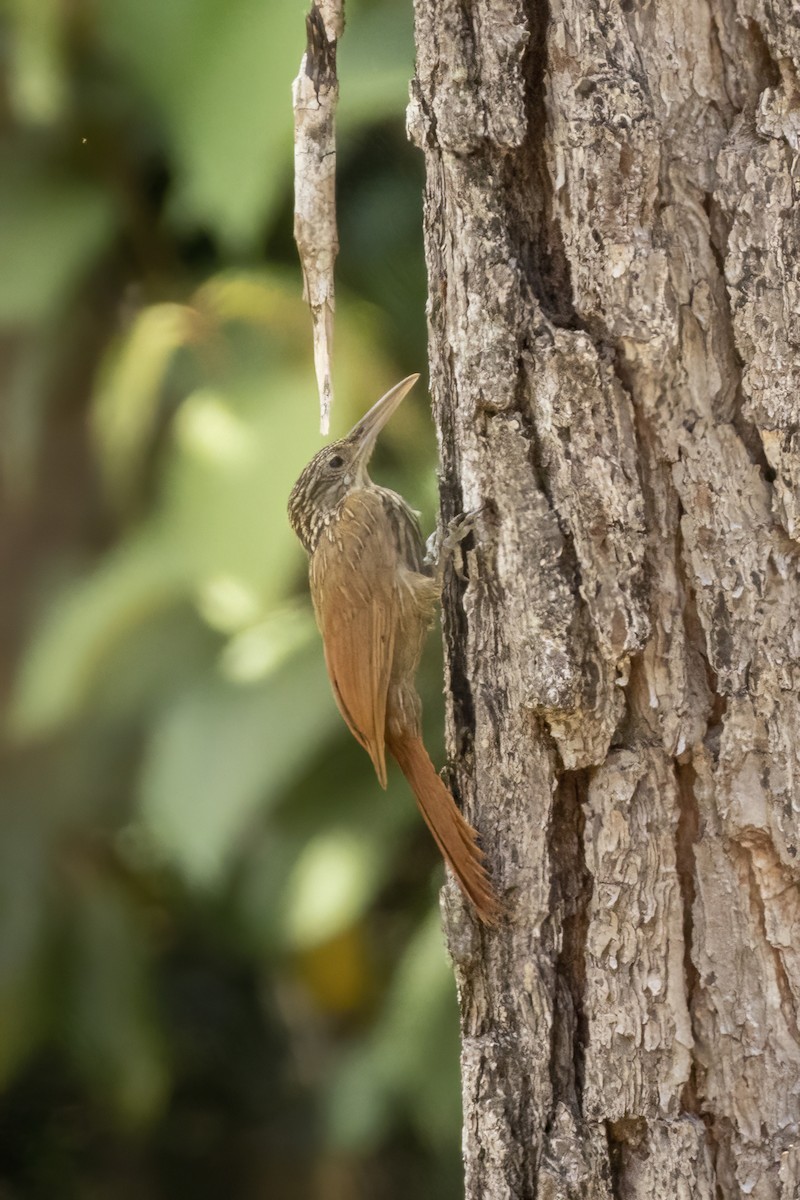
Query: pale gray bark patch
{"type": "Point", "coordinates": [613, 242]}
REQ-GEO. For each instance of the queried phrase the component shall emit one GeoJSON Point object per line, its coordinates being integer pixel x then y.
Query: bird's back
{"type": "Point", "coordinates": [373, 604]}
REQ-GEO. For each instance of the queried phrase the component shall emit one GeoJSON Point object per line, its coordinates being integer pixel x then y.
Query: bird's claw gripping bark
{"type": "Point", "coordinates": [444, 544]}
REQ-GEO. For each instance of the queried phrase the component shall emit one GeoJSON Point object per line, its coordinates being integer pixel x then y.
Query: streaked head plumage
{"type": "Point", "coordinates": [321, 488]}
{"type": "Point", "coordinates": [338, 468]}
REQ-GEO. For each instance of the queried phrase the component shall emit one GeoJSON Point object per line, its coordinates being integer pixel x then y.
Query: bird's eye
{"type": "Point", "coordinates": [336, 461]}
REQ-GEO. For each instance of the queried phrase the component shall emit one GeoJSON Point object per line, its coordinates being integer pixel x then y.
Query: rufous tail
{"type": "Point", "coordinates": [454, 836]}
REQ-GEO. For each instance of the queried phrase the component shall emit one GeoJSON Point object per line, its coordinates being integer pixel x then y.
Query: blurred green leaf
{"type": "Point", "coordinates": [83, 626]}
{"type": "Point", "coordinates": [375, 63]}
{"type": "Point", "coordinates": [269, 301]}
{"type": "Point", "coordinates": [358, 1106]}
{"type": "Point", "coordinates": [333, 880]}
{"type": "Point", "coordinates": [336, 806]}
{"type": "Point", "coordinates": [38, 70]}
{"type": "Point", "coordinates": [23, 415]}
{"type": "Point", "coordinates": [218, 74]}
{"type": "Point", "coordinates": [108, 1021]}
{"type": "Point", "coordinates": [258, 650]}
{"type": "Point", "coordinates": [220, 533]}
{"type": "Point", "coordinates": [23, 940]}
{"type": "Point", "coordinates": [127, 398]}
{"type": "Point", "coordinates": [410, 1060]}
{"type": "Point", "coordinates": [227, 478]}
{"type": "Point", "coordinates": [53, 228]}
{"type": "Point", "coordinates": [174, 684]}
{"type": "Point", "coordinates": [221, 753]}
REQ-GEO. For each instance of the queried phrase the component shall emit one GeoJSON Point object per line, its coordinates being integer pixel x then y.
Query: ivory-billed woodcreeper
{"type": "Point", "coordinates": [374, 598]}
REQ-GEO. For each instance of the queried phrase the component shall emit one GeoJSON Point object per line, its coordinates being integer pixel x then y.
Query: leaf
{"type": "Point", "coordinates": [108, 1022]}
{"type": "Point", "coordinates": [258, 650]}
{"type": "Point", "coordinates": [410, 1062]}
{"type": "Point", "coordinates": [418, 1036]}
{"type": "Point", "coordinates": [127, 400]}
{"type": "Point", "coordinates": [37, 77]}
{"type": "Point", "coordinates": [218, 74]}
{"type": "Point", "coordinates": [375, 61]}
{"type": "Point", "coordinates": [222, 753]}
{"type": "Point", "coordinates": [357, 1110]}
{"type": "Point", "coordinates": [84, 623]}
{"type": "Point", "coordinates": [218, 535]}
{"type": "Point", "coordinates": [233, 456]}
{"type": "Point", "coordinates": [336, 803]}
{"type": "Point", "coordinates": [53, 228]}
{"type": "Point", "coordinates": [23, 942]}
{"type": "Point", "coordinates": [266, 300]}
{"type": "Point", "coordinates": [332, 884]}
{"type": "Point", "coordinates": [339, 974]}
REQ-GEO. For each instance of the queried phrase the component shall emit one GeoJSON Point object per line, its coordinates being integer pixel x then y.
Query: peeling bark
{"type": "Point", "coordinates": [613, 237]}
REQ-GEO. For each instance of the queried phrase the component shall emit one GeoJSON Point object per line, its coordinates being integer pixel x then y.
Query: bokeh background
{"type": "Point", "coordinates": [221, 971]}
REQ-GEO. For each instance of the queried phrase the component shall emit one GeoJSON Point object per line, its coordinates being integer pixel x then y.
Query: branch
{"type": "Point", "coordinates": [314, 95]}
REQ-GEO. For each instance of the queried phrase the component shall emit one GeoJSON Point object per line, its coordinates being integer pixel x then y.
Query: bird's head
{"type": "Point", "coordinates": [339, 468]}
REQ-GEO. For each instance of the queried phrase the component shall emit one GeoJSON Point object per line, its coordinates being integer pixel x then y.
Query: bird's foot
{"type": "Point", "coordinates": [445, 544]}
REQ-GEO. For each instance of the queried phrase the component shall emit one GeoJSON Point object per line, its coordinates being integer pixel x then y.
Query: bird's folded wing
{"type": "Point", "coordinates": [354, 588]}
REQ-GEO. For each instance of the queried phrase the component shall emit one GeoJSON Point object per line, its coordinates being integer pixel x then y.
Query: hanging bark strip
{"type": "Point", "coordinates": [314, 95]}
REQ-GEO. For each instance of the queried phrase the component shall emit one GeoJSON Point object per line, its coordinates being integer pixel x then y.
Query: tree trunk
{"type": "Point", "coordinates": [612, 237]}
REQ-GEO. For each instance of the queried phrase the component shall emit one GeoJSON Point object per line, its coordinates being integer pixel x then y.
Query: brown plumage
{"type": "Point", "coordinates": [374, 600]}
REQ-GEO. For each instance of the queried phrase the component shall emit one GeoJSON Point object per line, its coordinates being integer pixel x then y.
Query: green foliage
{"type": "Point", "coordinates": [54, 226]}
{"type": "Point", "coordinates": [195, 808]}
{"type": "Point", "coordinates": [216, 76]}
{"type": "Point", "coordinates": [107, 1020]}
{"type": "Point", "coordinates": [414, 1039]}
{"type": "Point", "coordinates": [23, 946]}
{"type": "Point", "coordinates": [180, 800]}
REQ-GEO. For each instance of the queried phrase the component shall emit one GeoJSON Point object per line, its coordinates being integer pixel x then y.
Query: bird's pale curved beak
{"type": "Point", "coordinates": [365, 433]}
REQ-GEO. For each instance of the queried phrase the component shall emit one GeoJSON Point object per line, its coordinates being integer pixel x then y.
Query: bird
{"type": "Point", "coordinates": [374, 597]}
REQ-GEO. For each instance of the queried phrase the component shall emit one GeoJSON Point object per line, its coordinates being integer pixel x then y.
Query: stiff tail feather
{"type": "Point", "coordinates": [454, 836]}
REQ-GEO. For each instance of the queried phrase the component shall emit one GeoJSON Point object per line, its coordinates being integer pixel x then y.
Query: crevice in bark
{"type": "Point", "coordinates": [614, 1161]}
{"type": "Point", "coordinates": [624, 1137]}
{"type": "Point", "coordinates": [761, 71]}
{"type": "Point", "coordinates": [719, 231]}
{"type": "Point", "coordinates": [570, 566]}
{"type": "Point", "coordinates": [719, 228]}
{"type": "Point", "coordinates": [648, 465]}
{"type": "Point", "coordinates": [526, 180]}
{"type": "Point", "coordinates": [527, 1183]}
{"type": "Point", "coordinates": [716, 716]}
{"type": "Point", "coordinates": [764, 73]}
{"type": "Point", "coordinates": [582, 628]}
{"type": "Point", "coordinates": [571, 891]}
{"type": "Point", "coordinates": [693, 1096]}
{"type": "Point", "coordinates": [747, 431]}
{"type": "Point", "coordinates": [454, 621]}
{"type": "Point", "coordinates": [765, 65]}
{"type": "Point", "coordinates": [454, 632]}
{"type": "Point", "coordinates": [723, 63]}
{"type": "Point", "coordinates": [697, 637]}
{"type": "Point", "coordinates": [612, 353]}
{"type": "Point", "coordinates": [523, 413]}
{"type": "Point", "coordinates": [686, 836]}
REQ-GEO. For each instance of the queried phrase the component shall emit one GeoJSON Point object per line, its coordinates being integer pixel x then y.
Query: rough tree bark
{"type": "Point", "coordinates": [612, 237]}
